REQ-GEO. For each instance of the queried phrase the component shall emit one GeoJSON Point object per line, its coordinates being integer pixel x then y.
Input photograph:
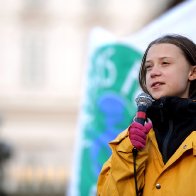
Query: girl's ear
{"type": "Point", "coordinates": [192, 75]}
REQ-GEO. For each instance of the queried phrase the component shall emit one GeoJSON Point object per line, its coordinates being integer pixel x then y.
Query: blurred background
{"type": "Point", "coordinates": [43, 62]}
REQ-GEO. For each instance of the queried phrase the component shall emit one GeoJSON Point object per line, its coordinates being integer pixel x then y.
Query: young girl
{"type": "Point", "coordinates": [166, 158]}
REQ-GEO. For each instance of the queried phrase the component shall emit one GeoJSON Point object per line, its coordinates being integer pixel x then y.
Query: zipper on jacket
{"type": "Point", "coordinates": [166, 142]}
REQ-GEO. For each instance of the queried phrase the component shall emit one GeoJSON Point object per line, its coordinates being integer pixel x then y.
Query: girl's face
{"type": "Point", "coordinates": [168, 73]}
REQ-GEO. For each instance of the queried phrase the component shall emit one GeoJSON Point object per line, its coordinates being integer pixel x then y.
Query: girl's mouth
{"type": "Point", "coordinates": [156, 84]}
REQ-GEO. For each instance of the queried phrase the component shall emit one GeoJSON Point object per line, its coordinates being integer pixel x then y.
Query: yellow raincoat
{"type": "Point", "coordinates": [175, 178]}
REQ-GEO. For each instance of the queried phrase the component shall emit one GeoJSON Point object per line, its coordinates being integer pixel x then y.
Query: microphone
{"type": "Point", "coordinates": [143, 101]}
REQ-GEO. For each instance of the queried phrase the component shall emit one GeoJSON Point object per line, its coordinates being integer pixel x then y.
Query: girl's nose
{"type": "Point", "coordinates": [155, 72]}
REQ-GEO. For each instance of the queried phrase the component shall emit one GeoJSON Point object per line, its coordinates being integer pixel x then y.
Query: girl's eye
{"type": "Point", "coordinates": [148, 67]}
{"type": "Point", "coordinates": [165, 63]}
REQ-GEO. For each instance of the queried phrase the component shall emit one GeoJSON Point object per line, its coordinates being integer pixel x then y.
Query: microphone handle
{"type": "Point", "coordinates": [140, 120]}
{"type": "Point", "coordinates": [141, 114]}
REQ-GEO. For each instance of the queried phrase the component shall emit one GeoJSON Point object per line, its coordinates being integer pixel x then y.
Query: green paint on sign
{"type": "Point", "coordinates": [108, 109]}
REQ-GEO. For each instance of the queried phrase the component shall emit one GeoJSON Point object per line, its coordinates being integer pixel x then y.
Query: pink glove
{"type": "Point", "coordinates": [138, 133]}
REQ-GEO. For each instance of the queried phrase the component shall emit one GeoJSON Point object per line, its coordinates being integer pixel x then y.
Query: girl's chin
{"type": "Point", "coordinates": [158, 96]}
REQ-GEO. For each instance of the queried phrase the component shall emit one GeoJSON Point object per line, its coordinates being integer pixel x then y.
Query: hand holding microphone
{"type": "Point", "coordinates": [138, 134]}
{"type": "Point", "coordinates": [139, 129]}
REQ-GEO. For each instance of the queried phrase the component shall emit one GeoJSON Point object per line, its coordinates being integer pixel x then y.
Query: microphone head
{"type": "Point", "coordinates": [144, 99]}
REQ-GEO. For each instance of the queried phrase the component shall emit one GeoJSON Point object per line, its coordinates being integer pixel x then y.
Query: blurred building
{"type": "Point", "coordinates": [43, 58]}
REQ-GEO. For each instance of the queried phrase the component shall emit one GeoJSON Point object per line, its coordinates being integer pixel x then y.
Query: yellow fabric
{"type": "Point", "coordinates": [176, 178]}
